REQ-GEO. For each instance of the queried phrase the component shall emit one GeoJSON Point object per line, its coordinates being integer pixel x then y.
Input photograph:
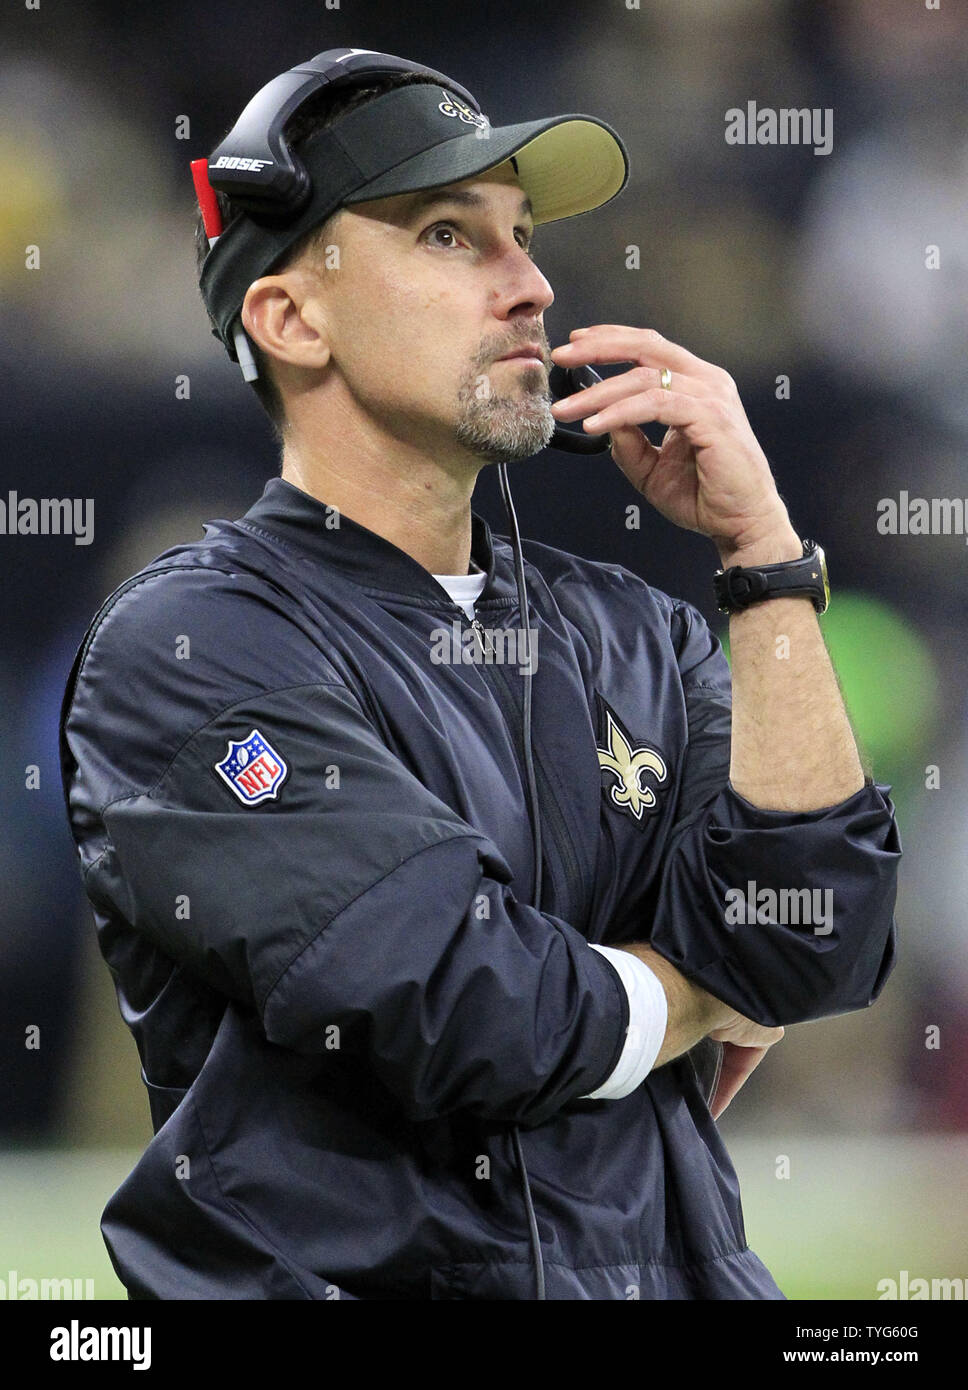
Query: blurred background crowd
{"type": "Point", "coordinates": [769, 260]}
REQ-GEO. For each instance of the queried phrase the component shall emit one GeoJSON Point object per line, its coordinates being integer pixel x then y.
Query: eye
{"type": "Point", "coordinates": [448, 236]}
{"type": "Point", "coordinates": [443, 229]}
{"type": "Point", "coordinates": [525, 240]}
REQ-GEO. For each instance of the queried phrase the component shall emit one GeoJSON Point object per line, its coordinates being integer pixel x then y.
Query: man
{"type": "Point", "coordinates": [383, 1059]}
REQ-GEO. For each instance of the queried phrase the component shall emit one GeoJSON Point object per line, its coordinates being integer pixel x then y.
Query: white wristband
{"type": "Point", "coordinates": [648, 1017]}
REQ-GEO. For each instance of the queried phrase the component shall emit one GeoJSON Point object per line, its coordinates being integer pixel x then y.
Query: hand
{"type": "Point", "coordinates": [710, 474]}
{"type": "Point", "coordinates": [738, 1065]}
{"type": "Point", "coordinates": [745, 1044]}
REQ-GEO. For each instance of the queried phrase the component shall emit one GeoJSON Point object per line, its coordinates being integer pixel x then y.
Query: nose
{"type": "Point", "coordinates": [521, 290]}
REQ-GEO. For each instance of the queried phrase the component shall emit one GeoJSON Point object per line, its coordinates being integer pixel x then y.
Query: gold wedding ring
{"type": "Point", "coordinates": [665, 379]}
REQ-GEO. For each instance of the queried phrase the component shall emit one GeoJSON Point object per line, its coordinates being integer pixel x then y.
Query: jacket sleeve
{"type": "Point", "coordinates": [785, 916]}
{"type": "Point", "coordinates": [352, 897]}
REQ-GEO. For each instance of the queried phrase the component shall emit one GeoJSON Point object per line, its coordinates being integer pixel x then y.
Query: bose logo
{"type": "Point", "coordinates": [235, 161]}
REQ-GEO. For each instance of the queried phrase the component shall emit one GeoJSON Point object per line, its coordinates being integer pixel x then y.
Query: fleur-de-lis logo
{"type": "Point", "coordinates": [627, 792]}
{"type": "Point", "coordinates": [450, 106]}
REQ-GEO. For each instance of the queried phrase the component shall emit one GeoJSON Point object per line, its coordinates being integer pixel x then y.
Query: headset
{"type": "Point", "coordinates": [254, 164]}
{"type": "Point", "coordinates": [257, 170]}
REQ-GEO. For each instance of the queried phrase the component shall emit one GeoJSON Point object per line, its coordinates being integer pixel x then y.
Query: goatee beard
{"type": "Point", "coordinates": [499, 427]}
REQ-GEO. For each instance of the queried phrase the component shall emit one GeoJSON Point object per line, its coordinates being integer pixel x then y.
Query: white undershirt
{"type": "Point", "coordinates": [464, 589]}
{"type": "Point", "coordinates": [648, 1009]}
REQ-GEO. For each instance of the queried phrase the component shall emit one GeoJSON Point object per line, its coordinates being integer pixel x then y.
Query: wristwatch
{"type": "Point", "coordinates": [738, 587]}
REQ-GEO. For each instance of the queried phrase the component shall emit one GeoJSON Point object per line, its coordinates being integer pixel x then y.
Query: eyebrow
{"type": "Point", "coordinates": [463, 196]}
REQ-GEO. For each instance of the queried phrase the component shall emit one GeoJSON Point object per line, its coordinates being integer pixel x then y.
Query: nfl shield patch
{"type": "Point", "coordinates": [253, 769]}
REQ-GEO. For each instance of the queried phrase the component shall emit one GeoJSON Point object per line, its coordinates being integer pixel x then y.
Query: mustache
{"type": "Point", "coordinates": [530, 333]}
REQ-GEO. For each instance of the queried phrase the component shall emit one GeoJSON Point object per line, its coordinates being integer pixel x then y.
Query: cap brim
{"type": "Point", "coordinates": [566, 165]}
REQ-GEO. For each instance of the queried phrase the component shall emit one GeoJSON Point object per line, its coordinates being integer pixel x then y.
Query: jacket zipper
{"type": "Point", "coordinates": [550, 804]}
{"type": "Point", "coordinates": [482, 633]}
{"type": "Point", "coordinates": [550, 809]}
{"type": "Point", "coordinates": [563, 844]}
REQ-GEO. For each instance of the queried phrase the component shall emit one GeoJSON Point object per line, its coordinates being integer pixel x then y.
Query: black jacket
{"type": "Point", "coordinates": [308, 851]}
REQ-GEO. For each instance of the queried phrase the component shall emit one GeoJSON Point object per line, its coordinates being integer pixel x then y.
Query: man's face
{"type": "Point", "coordinates": [433, 290]}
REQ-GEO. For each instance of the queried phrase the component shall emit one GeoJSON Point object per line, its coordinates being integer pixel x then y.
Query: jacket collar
{"type": "Point", "coordinates": [303, 524]}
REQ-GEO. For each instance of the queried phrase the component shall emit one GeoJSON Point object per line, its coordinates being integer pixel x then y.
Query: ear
{"type": "Point", "coordinates": [285, 317]}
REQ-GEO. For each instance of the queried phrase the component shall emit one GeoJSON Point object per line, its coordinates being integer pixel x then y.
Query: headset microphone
{"type": "Point", "coordinates": [565, 381]}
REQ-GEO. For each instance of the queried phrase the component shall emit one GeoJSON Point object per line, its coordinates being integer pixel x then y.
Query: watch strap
{"type": "Point", "coordinates": [738, 587]}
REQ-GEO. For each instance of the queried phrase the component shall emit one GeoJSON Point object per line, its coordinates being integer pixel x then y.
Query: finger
{"type": "Point", "coordinates": [738, 1065]}
{"type": "Point", "coordinates": [612, 342]}
{"type": "Point", "coordinates": [659, 406]}
{"type": "Point", "coordinates": [605, 393]}
{"type": "Point", "coordinates": [645, 345]}
{"type": "Point", "coordinates": [634, 453]}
